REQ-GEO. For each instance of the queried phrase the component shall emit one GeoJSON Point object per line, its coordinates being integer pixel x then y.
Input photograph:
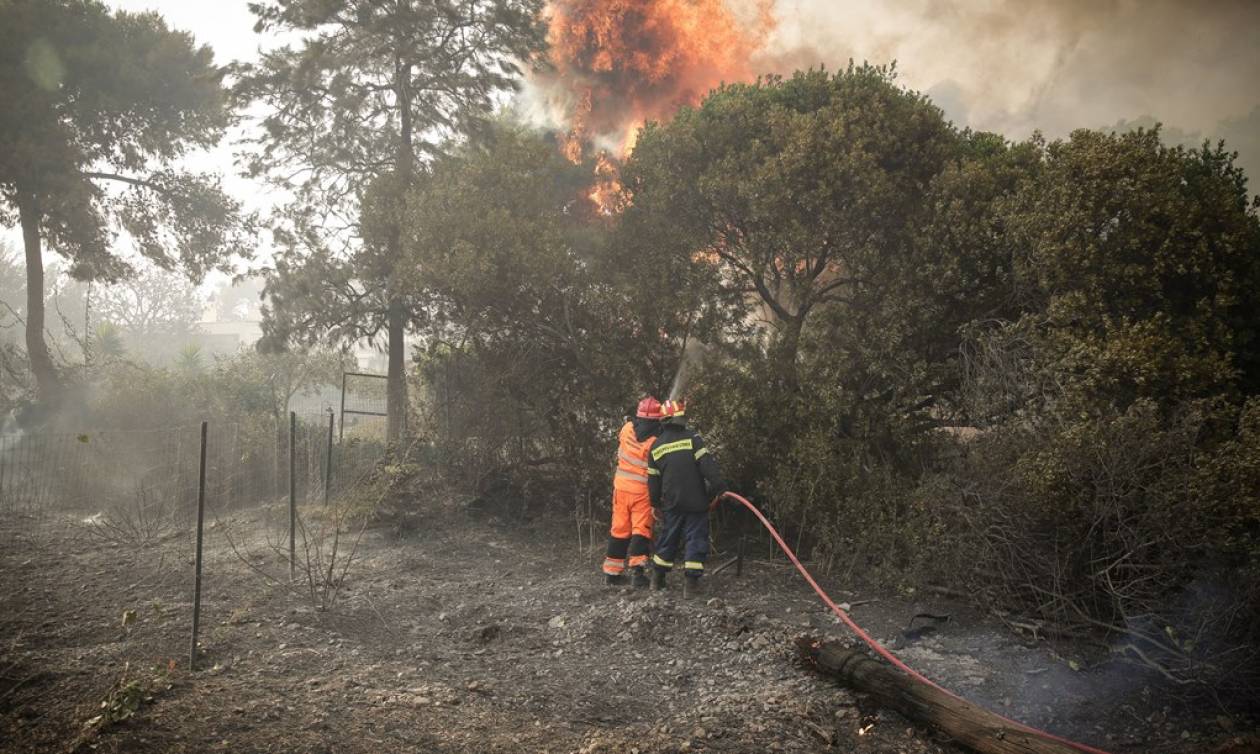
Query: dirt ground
{"type": "Point", "coordinates": [480, 634]}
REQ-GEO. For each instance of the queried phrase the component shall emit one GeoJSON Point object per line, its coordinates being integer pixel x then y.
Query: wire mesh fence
{"type": "Point", "coordinates": [281, 495]}
{"type": "Point", "coordinates": [147, 471]}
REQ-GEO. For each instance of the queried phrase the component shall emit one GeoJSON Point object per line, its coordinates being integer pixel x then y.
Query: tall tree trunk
{"type": "Point", "coordinates": [396, 374]}
{"type": "Point", "coordinates": [787, 345]}
{"type": "Point", "coordinates": [396, 380]}
{"type": "Point", "coordinates": [47, 381]}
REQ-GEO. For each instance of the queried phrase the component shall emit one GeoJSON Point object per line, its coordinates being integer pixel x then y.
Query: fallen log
{"type": "Point", "coordinates": [966, 723]}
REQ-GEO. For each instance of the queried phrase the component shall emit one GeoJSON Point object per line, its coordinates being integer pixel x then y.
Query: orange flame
{"type": "Point", "coordinates": [608, 195]}
{"type": "Point", "coordinates": [619, 63]}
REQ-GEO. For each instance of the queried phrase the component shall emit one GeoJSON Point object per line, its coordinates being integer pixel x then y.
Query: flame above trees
{"type": "Point", "coordinates": [618, 63]}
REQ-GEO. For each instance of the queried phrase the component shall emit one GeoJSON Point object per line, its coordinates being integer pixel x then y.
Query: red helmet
{"type": "Point", "coordinates": [649, 408]}
{"type": "Point", "coordinates": [674, 408]}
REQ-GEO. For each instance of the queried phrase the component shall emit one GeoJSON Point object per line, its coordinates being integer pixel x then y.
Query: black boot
{"type": "Point", "coordinates": [638, 579]}
{"type": "Point", "coordinates": [692, 586]}
{"type": "Point", "coordinates": [617, 579]}
{"type": "Point", "coordinates": [658, 579]}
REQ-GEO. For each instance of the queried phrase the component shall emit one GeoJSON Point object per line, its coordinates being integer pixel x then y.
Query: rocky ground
{"type": "Point", "coordinates": [477, 634]}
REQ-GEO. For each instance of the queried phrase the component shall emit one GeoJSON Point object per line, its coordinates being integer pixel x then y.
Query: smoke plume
{"type": "Point", "coordinates": [1011, 66]}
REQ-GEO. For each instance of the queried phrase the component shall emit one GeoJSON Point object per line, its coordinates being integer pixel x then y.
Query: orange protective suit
{"type": "Point", "coordinates": [630, 535]}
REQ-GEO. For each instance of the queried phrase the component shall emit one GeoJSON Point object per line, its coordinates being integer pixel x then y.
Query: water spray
{"type": "Point", "coordinates": [688, 361]}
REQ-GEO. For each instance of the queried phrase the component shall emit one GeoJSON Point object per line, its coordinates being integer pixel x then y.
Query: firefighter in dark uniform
{"type": "Point", "coordinates": [683, 476]}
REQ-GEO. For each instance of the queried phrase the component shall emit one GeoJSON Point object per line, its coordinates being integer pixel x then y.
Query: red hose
{"type": "Point", "coordinates": [879, 649]}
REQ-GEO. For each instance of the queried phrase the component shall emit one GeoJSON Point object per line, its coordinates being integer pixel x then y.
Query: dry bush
{"type": "Point", "coordinates": [329, 545]}
{"type": "Point", "coordinates": [138, 521]}
{"type": "Point", "coordinates": [328, 535]}
{"type": "Point", "coordinates": [1138, 527]}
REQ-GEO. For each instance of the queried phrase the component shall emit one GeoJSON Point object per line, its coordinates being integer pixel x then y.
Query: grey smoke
{"type": "Point", "coordinates": [1013, 66]}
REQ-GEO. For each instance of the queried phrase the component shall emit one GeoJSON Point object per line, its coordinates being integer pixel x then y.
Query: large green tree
{"type": "Point", "coordinates": [1139, 266]}
{"type": "Point", "coordinates": [98, 108]}
{"type": "Point", "coordinates": [544, 325]}
{"type": "Point", "coordinates": [801, 188]}
{"type": "Point", "coordinates": [373, 89]}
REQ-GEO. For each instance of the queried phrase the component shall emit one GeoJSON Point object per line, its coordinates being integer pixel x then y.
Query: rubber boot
{"type": "Point", "coordinates": [692, 587]}
{"type": "Point", "coordinates": [618, 579]}
{"type": "Point", "coordinates": [638, 579]}
{"type": "Point", "coordinates": [658, 579]}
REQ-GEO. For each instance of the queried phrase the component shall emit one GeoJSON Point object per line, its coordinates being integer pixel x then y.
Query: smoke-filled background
{"type": "Point", "coordinates": [1010, 66]}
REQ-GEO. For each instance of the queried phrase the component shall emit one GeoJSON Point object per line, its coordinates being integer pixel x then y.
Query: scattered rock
{"type": "Point", "coordinates": [487, 634]}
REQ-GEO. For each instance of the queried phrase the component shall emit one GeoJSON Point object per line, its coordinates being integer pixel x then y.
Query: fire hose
{"type": "Point", "coordinates": [871, 642]}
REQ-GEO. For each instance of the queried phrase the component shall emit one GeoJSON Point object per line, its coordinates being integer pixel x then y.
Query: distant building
{"type": "Point", "coordinates": [218, 335]}
{"type": "Point", "coordinates": [228, 336]}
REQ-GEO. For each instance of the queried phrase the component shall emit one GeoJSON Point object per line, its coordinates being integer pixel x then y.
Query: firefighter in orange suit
{"type": "Point", "coordinates": [631, 533]}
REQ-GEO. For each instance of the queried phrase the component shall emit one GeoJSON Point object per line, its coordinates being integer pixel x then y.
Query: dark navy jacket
{"type": "Point", "coordinates": [683, 475]}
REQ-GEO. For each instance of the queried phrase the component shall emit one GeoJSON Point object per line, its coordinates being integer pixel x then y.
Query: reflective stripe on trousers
{"type": "Point", "coordinates": [614, 566]}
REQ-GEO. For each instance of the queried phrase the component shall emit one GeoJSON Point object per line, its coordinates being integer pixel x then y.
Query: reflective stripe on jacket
{"type": "Point", "coordinates": [632, 463]}
{"type": "Point", "coordinates": [682, 473]}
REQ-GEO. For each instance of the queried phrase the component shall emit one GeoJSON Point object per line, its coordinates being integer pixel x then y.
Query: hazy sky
{"type": "Point", "coordinates": [225, 25]}
{"type": "Point", "coordinates": [1005, 65]}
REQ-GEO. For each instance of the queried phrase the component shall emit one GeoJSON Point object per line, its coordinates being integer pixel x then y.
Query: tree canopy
{"type": "Point", "coordinates": [371, 93]}
{"type": "Point", "coordinates": [802, 188]}
{"type": "Point", "coordinates": [99, 107]}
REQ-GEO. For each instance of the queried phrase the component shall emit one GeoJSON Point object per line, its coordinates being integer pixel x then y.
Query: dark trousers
{"type": "Point", "coordinates": [691, 531]}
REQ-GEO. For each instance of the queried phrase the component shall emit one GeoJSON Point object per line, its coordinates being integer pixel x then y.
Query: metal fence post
{"type": "Point", "coordinates": [328, 459]}
{"type": "Point", "coordinates": [292, 495]}
{"type": "Point", "coordinates": [341, 433]}
{"type": "Point", "coordinates": [201, 517]}
{"type": "Point", "coordinates": [4, 452]}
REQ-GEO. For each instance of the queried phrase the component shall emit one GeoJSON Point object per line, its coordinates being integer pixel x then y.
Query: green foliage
{"type": "Point", "coordinates": [803, 190]}
{"type": "Point", "coordinates": [189, 359]}
{"type": "Point", "coordinates": [373, 88]}
{"type": "Point", "coordinates": [95, 99]}
{"type": "Point", "coordinates": [1141, 263]}
{"type": "Point", "coordinates": [536, 345]}
{"type": "Point", "coordinates": [371, 92]}
{"type": "Point", "coordinates": [108, 342]}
